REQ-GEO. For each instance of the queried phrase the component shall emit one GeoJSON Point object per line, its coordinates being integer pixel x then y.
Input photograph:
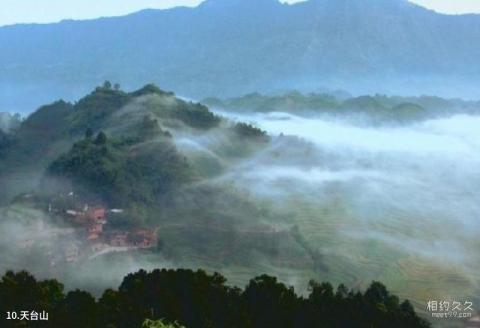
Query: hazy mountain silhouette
{"type": "Point", "coordinates": [231, 47]}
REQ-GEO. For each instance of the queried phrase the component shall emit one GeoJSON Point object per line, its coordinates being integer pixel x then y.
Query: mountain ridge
{"type": "Point", "coordinates": [219, 50]}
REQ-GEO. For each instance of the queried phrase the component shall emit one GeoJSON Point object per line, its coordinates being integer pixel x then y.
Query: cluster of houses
{"type": "Point", "coordinates": [90, 234]}
{"type": "Point", "coordinates": [94, 219]}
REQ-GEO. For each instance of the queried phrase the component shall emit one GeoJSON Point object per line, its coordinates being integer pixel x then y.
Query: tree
{"type": "Point", "coordinates": [107, 85]}
{"type": "Point", "coordinates": [377, 293]}
{"type": "Point", "coordinates": [78, 309]}
{"type": "Point", "coordinates": [101, 139]}
{"type": "Point", "coordinates": [195, 299]}
{"type": "Point", "coordinates": [322, 297]}
{"type": "Point", "coordinates": [21, 291]}
{"type": "Point", "coordinates": [110, 306]}
{"type": "Point", "coordinates": [270, 303]}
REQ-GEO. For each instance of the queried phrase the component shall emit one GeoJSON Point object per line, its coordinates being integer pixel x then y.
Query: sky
{"type": "Point", "coordinates": [45, 11]}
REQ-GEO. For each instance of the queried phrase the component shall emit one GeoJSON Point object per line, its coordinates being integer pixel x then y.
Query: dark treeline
{"type": "Point", "coordinates": [197, 299]}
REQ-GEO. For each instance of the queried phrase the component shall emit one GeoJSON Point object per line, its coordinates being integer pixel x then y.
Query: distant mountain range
{"type": "Point", "coordinates": [231, 47]}
{"type": "Point", "coordinates": [377, 109]}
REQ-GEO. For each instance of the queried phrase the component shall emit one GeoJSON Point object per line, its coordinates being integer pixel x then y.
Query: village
{"type": "Point", "coordinates": [92, 220]}
{"type": "Point", "coordinates": [89, 234]}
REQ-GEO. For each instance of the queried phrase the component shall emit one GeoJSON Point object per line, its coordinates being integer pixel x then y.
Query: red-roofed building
{"type": "Point", "coordinates": [96, 214]}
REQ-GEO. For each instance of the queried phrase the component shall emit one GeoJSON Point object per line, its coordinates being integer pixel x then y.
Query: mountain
{"type": "Point", "coordinates": [139, 163]}
{"type": "Point", "coordinates": [139, 126]}
{"type": "Point", "coordinates": [232, 47]}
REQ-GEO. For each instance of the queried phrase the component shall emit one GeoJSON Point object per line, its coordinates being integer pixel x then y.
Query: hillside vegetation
{"type": "Point", "coordinates": [135, 127]}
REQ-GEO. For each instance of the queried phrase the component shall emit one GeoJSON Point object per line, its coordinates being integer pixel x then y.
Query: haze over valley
{"type": "Point", "coordinates": [348, 197]}
{"type": "Point", "coordinates": [326, 140]}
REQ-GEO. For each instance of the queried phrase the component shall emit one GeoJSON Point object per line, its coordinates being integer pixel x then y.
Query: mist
{"type": "Point", "coordinates": [399, 204]}
{"type": "Point", "coordinates": [326, 198]}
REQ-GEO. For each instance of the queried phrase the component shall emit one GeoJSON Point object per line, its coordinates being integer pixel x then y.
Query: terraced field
{"type": "Point", "coordinates": [395, 205]}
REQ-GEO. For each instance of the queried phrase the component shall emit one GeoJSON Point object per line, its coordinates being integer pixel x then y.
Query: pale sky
{"type": "Point", "coordinates": [43, 11]}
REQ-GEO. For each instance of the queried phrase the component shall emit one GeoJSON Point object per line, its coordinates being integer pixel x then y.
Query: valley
{"type": "Point", "coordinates": [155, 181]}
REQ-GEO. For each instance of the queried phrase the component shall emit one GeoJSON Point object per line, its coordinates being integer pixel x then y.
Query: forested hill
{"type": "Point", "coordinates": [235, 47]}
{"type": "Point", "coordinates": [110, 142]}
{"type": "Point", "coordinates": [374, 108]}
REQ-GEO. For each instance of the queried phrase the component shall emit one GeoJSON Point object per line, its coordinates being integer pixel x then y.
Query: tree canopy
{"type": "Point", "coordinates": [184, 298]}
{"type": "Point", "coordinates": [115, 171]}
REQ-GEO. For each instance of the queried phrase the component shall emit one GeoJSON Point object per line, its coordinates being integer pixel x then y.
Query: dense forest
{"type": "Point", "coordinates": [184, 298]}
{"type": "Point", "coordinates": [116, 173]}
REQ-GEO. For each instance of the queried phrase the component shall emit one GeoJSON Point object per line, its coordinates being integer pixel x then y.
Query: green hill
{"type": "Point", "coordinates": [137, 122]}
